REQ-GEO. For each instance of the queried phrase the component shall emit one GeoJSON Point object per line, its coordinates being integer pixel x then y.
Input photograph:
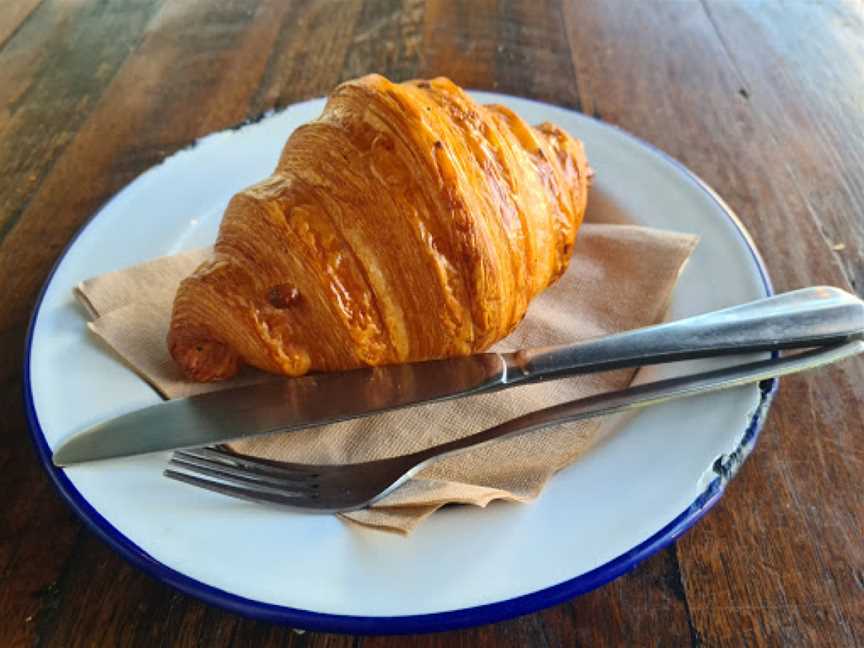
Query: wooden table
{"type": "Point", "coordinates": [763, 100]}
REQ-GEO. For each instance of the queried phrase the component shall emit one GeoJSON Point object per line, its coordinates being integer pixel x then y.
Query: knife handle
{"type": "Point", "coordinates": [799, 319]}
{"type": "Point", "coordinates": [652, 393]}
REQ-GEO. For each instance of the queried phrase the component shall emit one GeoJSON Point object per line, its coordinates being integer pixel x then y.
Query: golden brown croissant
{"type": "Point", "coordinates": [406, 223]}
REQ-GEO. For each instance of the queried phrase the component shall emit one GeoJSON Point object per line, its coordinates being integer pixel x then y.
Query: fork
{"type": "Point", "coordinates": [348, 487]}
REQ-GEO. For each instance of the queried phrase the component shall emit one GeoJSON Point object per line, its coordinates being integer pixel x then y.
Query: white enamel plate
{"type": "Point", "coordinates": [622, 502]}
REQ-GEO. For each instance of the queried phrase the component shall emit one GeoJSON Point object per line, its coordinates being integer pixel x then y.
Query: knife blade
{"type": "Point", "coordinates": [798, 319]}
{"type": "Point", "coordinates": [281, 405]}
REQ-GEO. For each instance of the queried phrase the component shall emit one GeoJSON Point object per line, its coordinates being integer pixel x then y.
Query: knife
{"type": "Point", "coordinates": [799, 319]}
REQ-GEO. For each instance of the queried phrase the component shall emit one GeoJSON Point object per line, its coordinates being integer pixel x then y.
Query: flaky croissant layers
{"type": "Point", "coordinates": [406, 223]}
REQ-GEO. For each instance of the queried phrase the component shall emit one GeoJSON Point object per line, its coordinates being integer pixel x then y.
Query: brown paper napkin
{"type": "Point", "coordinates": [621, 277]}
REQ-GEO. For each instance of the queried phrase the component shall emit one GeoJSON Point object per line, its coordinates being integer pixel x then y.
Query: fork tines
{"type": "Point", "coordinates": [228, 473]}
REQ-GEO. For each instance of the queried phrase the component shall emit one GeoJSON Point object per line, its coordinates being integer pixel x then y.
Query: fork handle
{"type": "Point", "coordinates": [804, 318]}
{"type": "Point", "coordinates": [643, 396]}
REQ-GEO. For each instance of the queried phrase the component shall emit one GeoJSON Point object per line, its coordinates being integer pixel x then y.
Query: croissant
{"type": "Point", "coordinates": [406, 223]}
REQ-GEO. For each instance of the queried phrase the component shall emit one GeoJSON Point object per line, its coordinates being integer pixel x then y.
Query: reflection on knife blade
{"type": "Point", "coordinates": [282, 405]}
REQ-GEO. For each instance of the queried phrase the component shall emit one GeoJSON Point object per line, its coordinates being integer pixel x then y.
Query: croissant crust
{"type": "Point", "coordinates": [406, 223]}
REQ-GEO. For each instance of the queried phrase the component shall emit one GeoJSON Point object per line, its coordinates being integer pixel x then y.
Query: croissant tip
{"type": "Point", "coordinates": [205, 360]}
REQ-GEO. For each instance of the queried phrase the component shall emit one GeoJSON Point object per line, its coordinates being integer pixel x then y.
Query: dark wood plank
{"type": "Point", "coordinates": [23, 57]}
{"type": "Point", "coordinates": [46, 92]}
{"type": "Point", "coordinates": [37, 529]}
{"type": "Point", "coordinates": [15, 12]}
{"type": "Point", "coordinates": [177, 71]}
{"type": "Point", "coordinates": [776, 562]}
{"type": "Point", "coordinates": [532, 53]}
{"type": "Point", "coordinates": [644, 608]}
{"type": "Point", "coordinates": [78, 48]}
{"type": "Point", "coordinates": [460, 42]}
{"type": "Point", "coordinates": [809, 94]}
{"type": "Point", "coordinates": [387, 39]}
{"type": "Point", "coordinates": [130, 609]}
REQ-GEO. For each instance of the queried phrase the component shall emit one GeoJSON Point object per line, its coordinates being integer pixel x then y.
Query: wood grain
{"type": "Point", "coordinates": [763, 100]}
{"type": "Point", "coordinates": [54, 99]}
{"type": "Point", "coordinates": [788, 554]}
{"type": "Point", "coordinates": [15, 13]}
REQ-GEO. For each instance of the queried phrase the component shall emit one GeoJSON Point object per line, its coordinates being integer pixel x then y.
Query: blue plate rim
{"type": "Point", "coordinates": [420, 623]}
